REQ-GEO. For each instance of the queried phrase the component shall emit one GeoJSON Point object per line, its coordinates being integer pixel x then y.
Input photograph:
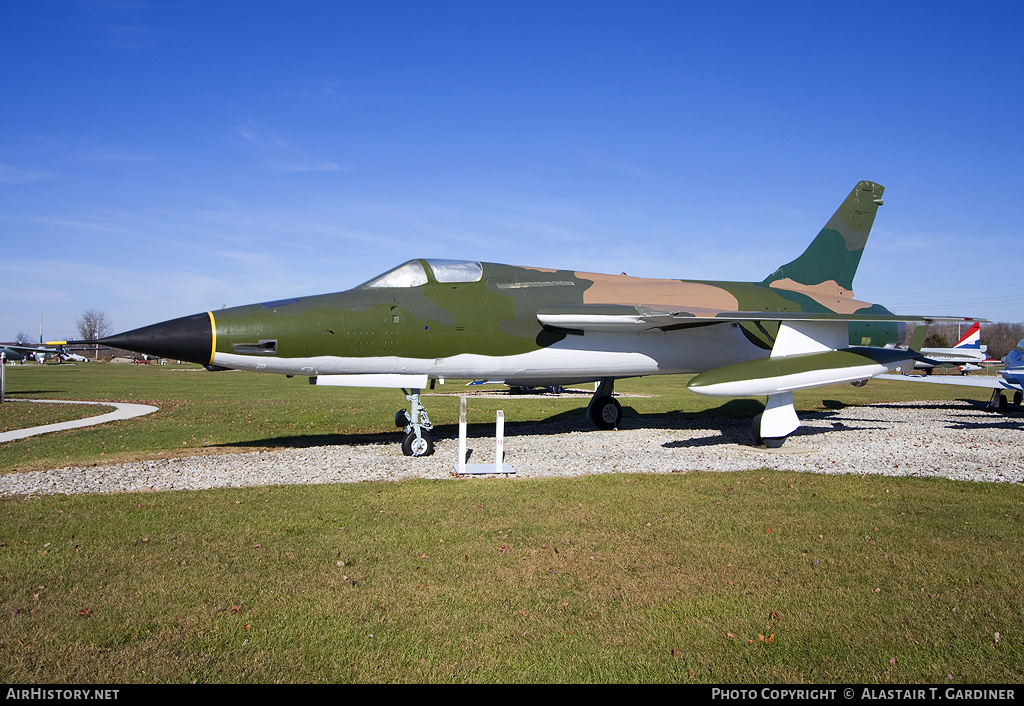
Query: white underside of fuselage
{"type": "Point", "coordinates": [574, 359]}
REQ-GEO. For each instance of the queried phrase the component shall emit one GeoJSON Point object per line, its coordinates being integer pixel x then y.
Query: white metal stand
{"type": "Point", "coordinates": [499, 466]}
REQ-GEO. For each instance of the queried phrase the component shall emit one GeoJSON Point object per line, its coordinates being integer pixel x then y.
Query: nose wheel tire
{"type": "Point", "coordinates": [422, 445]}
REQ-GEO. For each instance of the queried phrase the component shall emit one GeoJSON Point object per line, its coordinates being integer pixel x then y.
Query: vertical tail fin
{"type": "Point", "coordinates": [971, 339]}
{"type": "Point", "coordinates": [833, 256]}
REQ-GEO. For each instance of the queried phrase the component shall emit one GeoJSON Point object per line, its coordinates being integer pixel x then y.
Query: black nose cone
{"type": "Point", "coordinates": [188, 338]}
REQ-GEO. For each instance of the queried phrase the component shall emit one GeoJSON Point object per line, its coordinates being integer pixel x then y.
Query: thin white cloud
{"type": "Point", "coordinates": [15, 175]}
{"type": "Point", "coordinates": [116, 156]}
{"type": "Point", "coordinates": [281, 156]}
{"type": "Point", "coordinates": [620, 167]}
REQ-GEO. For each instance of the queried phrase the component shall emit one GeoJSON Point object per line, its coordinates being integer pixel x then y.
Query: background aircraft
{"type": "Point", "coordinates": [967, 355]}
{"type": "Point", "coordinates": [12, 353]}
{"type": "Point", "coordinates": [16, 351]}
{"type": "Point", "coordinates": [1011, 378]}
{"type": "Point", "coordinates": [432, 319]}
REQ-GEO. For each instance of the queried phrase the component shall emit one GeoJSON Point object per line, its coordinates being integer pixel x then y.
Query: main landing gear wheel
{"type": "Point", "coordinates": [423, 445]}
{"type": "Point", "coordinates": [1000, 405]}
{"type": "Point", "coordinates": [604, 410]}
{"type": "Point", "coordinates": [997, 403]}
{"type": "Point", "coordinates": [771, 442]}
{"type": "Point", "coordinates": [606, 413]}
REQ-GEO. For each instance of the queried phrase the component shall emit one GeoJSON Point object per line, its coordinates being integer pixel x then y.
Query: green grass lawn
{"type": "Point", "coordinates": [747, 577]}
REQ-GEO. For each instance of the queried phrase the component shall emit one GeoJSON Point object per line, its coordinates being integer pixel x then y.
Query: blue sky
{"type": "Point", "coordinates": [159, 159]}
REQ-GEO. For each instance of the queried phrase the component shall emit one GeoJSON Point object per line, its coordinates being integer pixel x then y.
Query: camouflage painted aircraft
{"type": "Point", "coordinates": [433, 319]}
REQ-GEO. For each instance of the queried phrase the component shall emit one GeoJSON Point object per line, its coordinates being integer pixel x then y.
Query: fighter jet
{"type": "Point", "coordinates": [431, 319]}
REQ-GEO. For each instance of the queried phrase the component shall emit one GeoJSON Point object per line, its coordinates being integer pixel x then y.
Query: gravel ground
{"type": "Point", "coordinates": [956, 440]}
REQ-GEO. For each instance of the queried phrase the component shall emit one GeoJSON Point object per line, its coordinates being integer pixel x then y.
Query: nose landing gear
{"type": "Point", "coordinates": [417, 426]}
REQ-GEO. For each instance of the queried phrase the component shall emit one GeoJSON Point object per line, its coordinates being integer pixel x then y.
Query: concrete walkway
{"type": "Point", "coordinates": [122, 411]}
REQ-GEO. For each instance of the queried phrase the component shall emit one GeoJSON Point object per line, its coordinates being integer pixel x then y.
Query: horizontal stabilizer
{"type": "Point", "coordinates": [768, 376]}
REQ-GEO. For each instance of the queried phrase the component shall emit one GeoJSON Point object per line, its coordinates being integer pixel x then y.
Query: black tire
{"type": "Point", "coordinates": [771, 442]}
{"type": "Point", "coordinates": [423, 446]}
{"type": "Point", "coordinates": [606, 413]}
{"type": "Point", "coordinates": [755, 430]}
{"type": "Point", "coordinates": [1017, 397]}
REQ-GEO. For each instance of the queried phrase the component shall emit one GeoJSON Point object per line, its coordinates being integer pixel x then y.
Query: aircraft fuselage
{"type": "Point", "coordinates": [489, 327]}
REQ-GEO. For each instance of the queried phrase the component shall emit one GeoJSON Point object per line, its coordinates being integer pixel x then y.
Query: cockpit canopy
{"type": "Point", "coordinates": [412, 274]}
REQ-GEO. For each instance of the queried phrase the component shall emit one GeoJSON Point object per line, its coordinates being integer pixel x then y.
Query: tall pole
{"type": "Point", "coordinates": [3, 375]}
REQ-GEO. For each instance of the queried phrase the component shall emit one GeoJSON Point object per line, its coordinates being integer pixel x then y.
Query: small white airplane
{"type": "Point", "coordinates": [1011, 378]}
{"type": "Point", "coordinates": [967, 355]}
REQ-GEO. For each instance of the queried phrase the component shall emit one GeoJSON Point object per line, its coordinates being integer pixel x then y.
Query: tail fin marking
{"type": "Point", "coordinates": [971, 339]}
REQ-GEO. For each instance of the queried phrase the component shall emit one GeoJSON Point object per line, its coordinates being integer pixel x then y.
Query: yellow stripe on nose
{"type": "Point", "coordinates": [213, 337]}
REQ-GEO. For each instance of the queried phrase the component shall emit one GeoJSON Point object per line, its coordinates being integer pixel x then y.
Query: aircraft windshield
{"type": "Point", "coordinates": [456, 270]}
{"type": "Point", "coordinates": [1020, 346]}
{"type": "Point", "coordinates": [411, 274]}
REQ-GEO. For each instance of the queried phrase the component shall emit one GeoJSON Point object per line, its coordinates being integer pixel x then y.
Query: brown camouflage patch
{"type": "Point", "coordinates": [829, 294]}
{"type": "Point", "coordinates": [656, 293]}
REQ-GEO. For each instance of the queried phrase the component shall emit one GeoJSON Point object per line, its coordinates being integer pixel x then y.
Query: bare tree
{"type": "Point", "coordinates": [93, 325]}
